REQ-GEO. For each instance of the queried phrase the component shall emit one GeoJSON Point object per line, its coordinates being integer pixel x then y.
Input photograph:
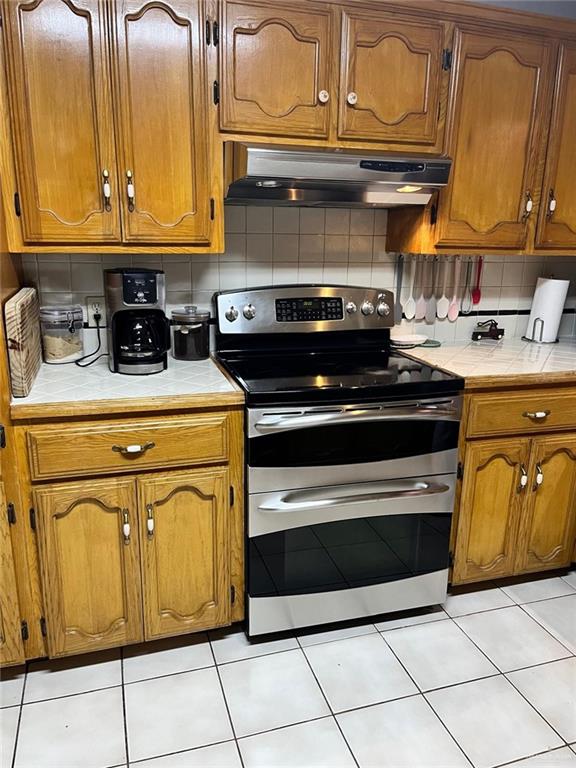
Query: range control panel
{"type": "Point", "coordinates": [304, 308]}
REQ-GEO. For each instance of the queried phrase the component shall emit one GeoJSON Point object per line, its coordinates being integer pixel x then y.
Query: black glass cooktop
{"type": "Point", "coordinates": [331, 376]}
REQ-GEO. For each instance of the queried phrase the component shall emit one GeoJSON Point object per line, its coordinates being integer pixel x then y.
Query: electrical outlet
{"type": "Point", "coordinates": [95, 305]}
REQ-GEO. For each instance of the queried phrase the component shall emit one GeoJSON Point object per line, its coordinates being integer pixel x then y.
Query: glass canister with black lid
{"type": "Point", "coordinates": [190, 333]}
{"type": "Point", "coordinates": [62, 332]}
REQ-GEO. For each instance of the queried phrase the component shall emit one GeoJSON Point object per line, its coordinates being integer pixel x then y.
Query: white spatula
{"type": "Point", "coordinates": [421, 303]}
{"type": "Point", "coordinates": [431, 300]}
{"type": "Point", "coordinates": [443, 302]}
{"type": "Point", "coordinates": [410, 306]}
{"type": "Point", "coordinates": [453, 309]}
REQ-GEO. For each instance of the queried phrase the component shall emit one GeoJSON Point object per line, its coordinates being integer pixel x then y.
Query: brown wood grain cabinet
{"type": "Point", "coordinates": [113, 139]}
{"type": "Point", "coordinates": [393, 85]}
{"type": "Point", "coordinates": [557, 215]}
{"type": "Point", "coordinates": [11, 646]}
{"type": "Point", "coordinates": [517, 509]}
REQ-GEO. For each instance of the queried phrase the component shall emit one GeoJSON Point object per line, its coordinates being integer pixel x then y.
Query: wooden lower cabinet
{"type": "Point", "coordinates": [517, 508]}
{"type": "Point", "coordinates": [548, 525]}
{"type": "Point", "coordinates": [185, 551]}
{"type": "Point", "coordinates": [11, 647]}
{"type": "Point", "coordinates": [90, 564]}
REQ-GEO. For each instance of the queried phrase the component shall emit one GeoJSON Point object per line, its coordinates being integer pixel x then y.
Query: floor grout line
{"type": "Point", "coordinates": [570, 650]}
{"type": "Point", "coordinates": [126, 747]}
{"type": "Point", "coordinates": [222, 689]}
{"type": "Point", "coordinates": [17, 734]}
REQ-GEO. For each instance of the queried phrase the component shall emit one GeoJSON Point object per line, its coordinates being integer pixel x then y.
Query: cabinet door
{"type": "Point", "coordinates": [89, 557]}
{"type": "Point", "coordinates": [557, 227]}
{"type": "Point", "coordinates": [497, 112]}
{"type": "Point", "coordinates": [163, 122]}
{"type": "Point", "coordinates": [391, 79]}
{"type": "Point", "coordinates": [493, 491]}
{"type": "Point", "coordinates": [548, 526]}
{"type": "Point", "coordinates": [11, 649]}
{"type": "Point", "coordinates": [185, 533]}
{"type": "Point", "coordinates": [59, 82]}
{"type": "Point", "coordinates": [276, 63]}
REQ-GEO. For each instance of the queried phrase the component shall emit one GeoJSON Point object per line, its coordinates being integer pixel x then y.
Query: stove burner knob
{"type": "Point", "coordinates": [231, 314]}
{"type": "Point", "coordinates": [351, 308]}
{"type": "Point", "coordinates": [383, 309]}
{"type": "Point", "coordinates": [367, 308]}
{"type": "Point", "coordinates": [249, 311]}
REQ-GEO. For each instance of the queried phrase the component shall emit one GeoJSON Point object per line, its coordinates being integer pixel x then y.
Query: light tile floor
{"type": "Point", "coordinates": [489, 681]}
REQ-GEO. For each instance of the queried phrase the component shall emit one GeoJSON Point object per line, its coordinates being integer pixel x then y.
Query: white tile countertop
{"type": "Point", "coordinates": [69, 384]}
{"type": "Point", "coordinates": [486, 359]}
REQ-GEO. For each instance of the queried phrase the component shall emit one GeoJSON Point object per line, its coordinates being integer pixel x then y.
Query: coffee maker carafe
{"type": "Point", "coordinates": [138, 330]}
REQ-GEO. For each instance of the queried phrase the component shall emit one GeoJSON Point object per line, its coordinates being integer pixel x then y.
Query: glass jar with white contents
{"type": "Point", "coordinates": [62, 333]}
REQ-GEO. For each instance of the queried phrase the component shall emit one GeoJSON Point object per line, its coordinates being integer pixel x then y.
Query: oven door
{"type": "Point", "coordinates": [344, 551]}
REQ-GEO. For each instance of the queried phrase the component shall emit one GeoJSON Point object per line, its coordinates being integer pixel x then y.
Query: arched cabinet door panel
{"type": "Point", "coordinates": [495, 128]}
{"type": "Point", "coordinates": [276, 67]}
{"type": "Point", "coordinates": [494, 487]}
{"type": "Point", "coordinates": [164, 143]}
{"type": "Point", "coordinates": [557, 220]}
{"type": "Point", "coordinates": [393, 88]}
{"type": "Point", "coordinates": [89, 557]}
{"type": "Point", "coordinates": [62, 116]}
{"type": "Point", "coordinates": [549, 524]}
{"type": "Point", "coordinates": [184, 531]}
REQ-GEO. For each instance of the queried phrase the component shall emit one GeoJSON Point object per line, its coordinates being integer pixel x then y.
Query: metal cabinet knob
{"type": "Point", "coordinates": [132, 450]}
{"type": "Point", "coordinates": [150, 520]}
{"type": "Point", "coordinates": [539, 477]}
{"type": "Point", "coordinates": [125, 526]}
{"type": "Point", "coordinates": [130, 190]}
{"type": "Point", "coordinates": [106, 191]}
{"type": "Point", "coordinates": [536, 415]}
{"type": "Point", "coordinates": [523, 478]}
{"type": "Point", "coordinates": [528, 205]}
{"type": "Point", "coordinates": [551, 204]}
{"type": "Point", "coordinates": [323, 97]}
{"type": "Point", "coordinates": [352, 98]}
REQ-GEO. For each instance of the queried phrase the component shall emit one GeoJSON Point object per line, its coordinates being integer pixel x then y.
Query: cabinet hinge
{"type": "Point", "coordinates": [450, 559]}
{"type": "Point", "coordinates": [215, 33]}
{"type": "Point", "coordinates": [17, 204]}
{"type": "Point", "coordinates": [446, 59]}
{"type": "Point", "coordinates": [231, 495]}
{"type": "Point", "coordinates": [460, 471]}
{"type": "Point", "coordinates": [208, 32]}
{"type": "Point", "coordinates": [2, 436]}
{"type": "Point", "coordinates": [32, 518]}
{"type": "Point", "coordinates": [43, 626]}
{"type": "Point", "coordinates": [216, 92]}
{"type": "Point", "coordinates": [232, 593]}
{"type": "Point", "coordinates": [11, 513]}
{"type": "Point", "coordinates": [24, 630]}
{"type": "Point", "coordinates": [433, 214]}
{"type": "Point", "coordinates": [211, 209]}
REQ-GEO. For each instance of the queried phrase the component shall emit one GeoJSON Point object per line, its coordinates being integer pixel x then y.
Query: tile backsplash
{"type": "Point", "coordinates": [269, 246]}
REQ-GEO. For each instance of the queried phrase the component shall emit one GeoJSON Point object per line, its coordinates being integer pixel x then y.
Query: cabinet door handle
{"type": "Point", "coordinates": [539, 477]}
{"type": "Point", "coordinates": [523, 478]}
{"type": "Point", "coordinates": [106, 191]}
{"type": "Point", "coordinates": [132, 450]}
{"type": "Point", "coordinates": [125, 526]}
{"type": "Point", "coordinates": [536, 415]}
{"type": "Point", "coordinates": [323, 97]}
{"type": "Point", "coordinates": [352, 98]}
{"type": "Point", "coordinates": [150, 520]}
{"type": "Point", "coordinates": [528, 205]}
{"type": "Point", "coordinates": [130, 190]}
{"type": "Point", "coordinates": [551, 204]}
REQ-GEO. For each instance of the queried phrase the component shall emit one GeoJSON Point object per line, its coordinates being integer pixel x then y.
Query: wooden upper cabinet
{"type": "Point", "coordinates": [89, 557]}
{"type": "Point", "coordinates": [185, 551]}
{"type": "Point", "coordinates": [549, 524]}
{"type": "Point", "coordinates": [164, 145]}
{"type": "Point", "coordinates": [11, 648]}
{"type": "Point", "coordinates": [392, 85]}
{"type": "Point", "coordinates": [277, 68]}
{"type": "Point", "coordinates": [499, 105]}
{"type": "Point", "coordinates": [493, 492]}
{"type": "Point", "coordinates": [557, 220]}
{"type": "Point", "coordinates": [62, 120]}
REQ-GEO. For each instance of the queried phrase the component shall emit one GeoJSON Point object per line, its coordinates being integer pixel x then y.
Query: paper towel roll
{"type": "Point", "coordinates": [547, 308]}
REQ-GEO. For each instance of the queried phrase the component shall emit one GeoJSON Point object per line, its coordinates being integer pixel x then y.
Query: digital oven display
{"type": "Point", "coordinates": [302, 310]}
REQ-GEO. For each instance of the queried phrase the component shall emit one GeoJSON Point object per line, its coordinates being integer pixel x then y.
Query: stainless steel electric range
{"type": "Point", "coordinates": [351, 452]}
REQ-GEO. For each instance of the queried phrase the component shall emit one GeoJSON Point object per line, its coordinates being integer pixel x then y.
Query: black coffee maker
{"type": "Point", "coordinates": [138, 330]}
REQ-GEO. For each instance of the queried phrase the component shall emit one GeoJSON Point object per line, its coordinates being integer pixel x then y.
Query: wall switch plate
{"type": "Point", "coordinates": [95, 305]}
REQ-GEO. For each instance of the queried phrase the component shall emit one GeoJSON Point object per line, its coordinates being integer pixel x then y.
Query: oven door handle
{"type": "Point", "coordinates": [304, 500]}
{"type": "Point", "coordinates": [278, 423]}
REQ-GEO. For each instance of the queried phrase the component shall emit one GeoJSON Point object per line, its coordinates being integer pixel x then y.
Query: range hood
{"type": "Point", "coordinates": [271, 176]}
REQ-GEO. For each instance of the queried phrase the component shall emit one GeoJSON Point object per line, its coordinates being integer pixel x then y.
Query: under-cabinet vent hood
{"type": "Point", "coordinates": [270, 176]}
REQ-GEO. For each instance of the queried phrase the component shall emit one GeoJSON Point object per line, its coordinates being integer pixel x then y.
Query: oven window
{"type": "Point", "coordinates": [352, 443]}
{"type": "Point", "coordinates": [347, 553]}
